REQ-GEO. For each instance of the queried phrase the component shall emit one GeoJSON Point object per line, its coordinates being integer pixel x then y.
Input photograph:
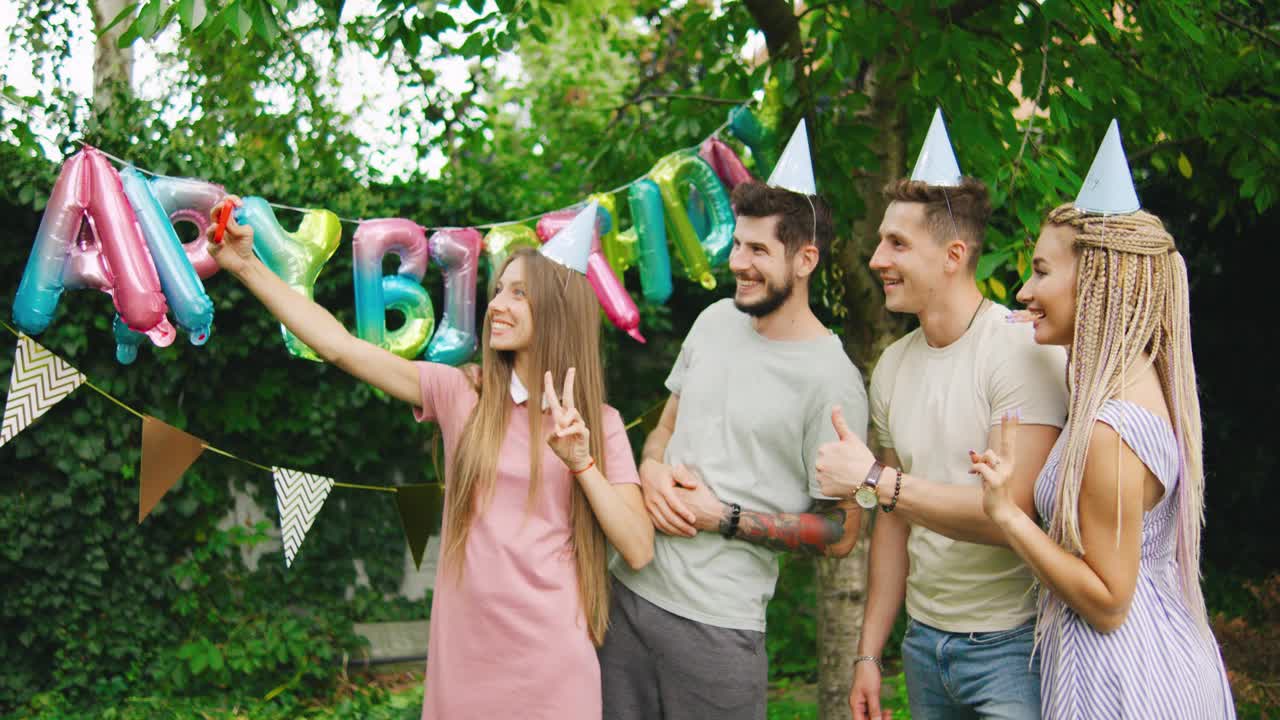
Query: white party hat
{"type": "Point", "coordinates": [794, 170]}
{"type": "Point", "coordinates": [571, 247]}
{"type": "Point", "coordinates": [937, 164]}
{"type": "Point", "coordinates": [1108, 188]}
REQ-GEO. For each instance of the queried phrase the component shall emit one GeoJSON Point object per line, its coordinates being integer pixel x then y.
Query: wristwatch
{"type": "Point", "coordinates": [865, 495]}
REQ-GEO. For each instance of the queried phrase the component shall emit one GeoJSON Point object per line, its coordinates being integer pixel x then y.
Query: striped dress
{"type": "Point", "coordinates": [1158, 664]}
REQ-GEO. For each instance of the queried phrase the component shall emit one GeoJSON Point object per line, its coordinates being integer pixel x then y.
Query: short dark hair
{"type": "Point", "coordinates": [799, 223]}
{"type": "Point", "coordinates": [968, 204]}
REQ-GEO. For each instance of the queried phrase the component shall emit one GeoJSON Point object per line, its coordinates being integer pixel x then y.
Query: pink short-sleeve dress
{"type": "Point", "coordinates": [509, 639]}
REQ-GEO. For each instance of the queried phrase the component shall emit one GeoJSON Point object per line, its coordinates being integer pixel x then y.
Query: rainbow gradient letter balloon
{"type": "Point", "coordinates": [190, 200]}
{"type": "Point", "coordinates": [457, 252]}
{"type": "Point", "coordinates": [296, 257]}
{"type": "Point", "coordinates": [89, 238]}
{"type": "Point", "coordinates": [402, 292]}
{"type": "Point", "coordinates": [192, 308]}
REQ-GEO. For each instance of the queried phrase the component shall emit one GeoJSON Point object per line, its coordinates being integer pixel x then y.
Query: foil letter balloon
{"type": "Point", "coordinates": [192, 308]}
{"type": "Point", "coordinates": [89, 238]}
{"type": "Point", "coordinates": [651, 241]}
{"type": "Point", "coordinates": [402, 292]}
{"type": "Point", "coordinates": [296, 257]}
{"type": "Point", "coordinates": [457, 252]}
{"type": "Point", "coordinates": [760, 140]}
{"type": "Point", "coordinates": [191, 200]}
{"type": "Point", "coordinates": [728, 166]}
{"type": "Point", "coordinates": [612, 294]}
{"type": "Point", "coordinates": [673, 174]}
{"type": "Point", "coordinates": [618, 249]}
{"type": "Point", "coordinates": [503, 240]}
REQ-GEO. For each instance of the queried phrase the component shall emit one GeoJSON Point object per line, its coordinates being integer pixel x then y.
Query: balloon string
{"type": "Point", "coordinates": [486, 226]}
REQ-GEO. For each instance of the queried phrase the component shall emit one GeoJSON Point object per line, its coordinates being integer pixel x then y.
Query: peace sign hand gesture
{"type": "Point", "coordinates": [570, 440]}
{"type": "Point", "coordinates": [996, 468]}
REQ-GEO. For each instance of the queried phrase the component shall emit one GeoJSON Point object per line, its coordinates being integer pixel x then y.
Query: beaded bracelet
{"type": "Point", "coordinates": [897, 487]}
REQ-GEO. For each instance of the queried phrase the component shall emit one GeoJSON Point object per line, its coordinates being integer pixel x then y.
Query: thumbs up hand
{"type": "Point", "coordinates": [842, 465]}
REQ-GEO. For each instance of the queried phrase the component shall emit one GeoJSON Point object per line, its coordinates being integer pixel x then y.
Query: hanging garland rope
{"type": "Point", "coordinates": [646, 415]}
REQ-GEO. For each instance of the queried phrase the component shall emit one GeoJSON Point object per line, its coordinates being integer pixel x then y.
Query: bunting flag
{"type": "Point", "coordinates": [421, 507]}
{"type": "Point", "coordinates": [39, 380]}
{"type": "Point", "coordinates": [299, 496]}
{"type": "Point", "coordinates": [167, 452]}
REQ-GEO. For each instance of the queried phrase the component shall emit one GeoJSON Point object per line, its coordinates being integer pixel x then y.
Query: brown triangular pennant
{"type": "Point", "coordinates": [421, 506]}
{"type": "Point", "coordinates": [167, 452]}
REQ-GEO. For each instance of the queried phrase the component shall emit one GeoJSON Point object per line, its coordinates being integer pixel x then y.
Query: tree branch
{"type": "Point", "coordinates": [963, 10]}
{"type": "Point", "coordinates": [1251, 30]}
{"type": "Point", "coordinates": [781, 28]}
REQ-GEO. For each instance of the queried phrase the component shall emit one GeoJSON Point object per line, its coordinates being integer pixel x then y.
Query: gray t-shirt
{"type": "Point", "coordinates": [753, 412]}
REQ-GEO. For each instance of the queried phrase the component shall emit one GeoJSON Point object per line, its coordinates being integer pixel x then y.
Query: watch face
{"type": "Point", "coordinates": [865, 497]}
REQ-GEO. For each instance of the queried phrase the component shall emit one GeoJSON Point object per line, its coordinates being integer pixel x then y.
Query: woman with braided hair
{"type": "Point", "coordinates": [1122, 627]}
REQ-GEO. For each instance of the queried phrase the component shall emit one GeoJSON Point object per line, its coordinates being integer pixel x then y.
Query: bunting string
{"type": "Point", "coordinates": [648, 413]}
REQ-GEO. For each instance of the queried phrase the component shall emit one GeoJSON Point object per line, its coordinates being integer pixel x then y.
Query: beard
{"type": "Point", "coordinates": [774, 297]}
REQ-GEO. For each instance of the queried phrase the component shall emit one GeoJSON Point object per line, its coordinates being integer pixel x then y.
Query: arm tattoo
{"type": "Point", "coordinates": [809, 533]}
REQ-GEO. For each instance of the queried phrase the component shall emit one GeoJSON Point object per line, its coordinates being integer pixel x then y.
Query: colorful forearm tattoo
{"type": "Point", "coordinates": [809, 533]}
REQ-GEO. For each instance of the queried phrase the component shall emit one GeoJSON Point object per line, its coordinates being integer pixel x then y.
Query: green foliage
{"type": "Point", "coordinates": [792, 621]}
{"type": "Point", "coordinates": [104, 613]}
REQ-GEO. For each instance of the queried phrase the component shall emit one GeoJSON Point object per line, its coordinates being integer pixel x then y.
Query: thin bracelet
{"type": "Point", "coordinates": [897, 487]}
{"type": "Point", "coordinates": [590, 465]}
{"type": "Point", "coordinates": [872, 658]}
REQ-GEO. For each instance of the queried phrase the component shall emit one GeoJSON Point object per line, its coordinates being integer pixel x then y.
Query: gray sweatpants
{"type": "Point", "coordinates": [658, 666]}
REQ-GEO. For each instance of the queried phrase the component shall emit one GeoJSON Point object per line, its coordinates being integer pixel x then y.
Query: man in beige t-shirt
{"type": "Point", "coordinates": [936, 394]}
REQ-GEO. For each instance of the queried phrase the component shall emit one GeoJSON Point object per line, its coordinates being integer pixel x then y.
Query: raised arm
{"type": "Point", "coordinates": [956, 510]}
{"type": "Point", "coordinates": [313, 324]}
{"type": "Point", "coordinates": [949, 509]}
{"type": "Point", "coordinates": [1098, 586]}
{"type": "Point", "coordinates": [618, 507]}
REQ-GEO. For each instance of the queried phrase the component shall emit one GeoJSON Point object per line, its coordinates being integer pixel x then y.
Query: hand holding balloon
{"type": "Point", "coordinates": [234, 250]}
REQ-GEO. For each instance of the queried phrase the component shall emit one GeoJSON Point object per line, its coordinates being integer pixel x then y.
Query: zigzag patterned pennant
{"type": "Point", "coordinates": [39, 380]}
{"type": "Point", "coordinates": [299, 496]}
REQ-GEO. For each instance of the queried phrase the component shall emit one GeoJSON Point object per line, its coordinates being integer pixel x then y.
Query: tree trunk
{"type": "Point", "coordinates": [112, 65]}
{"type": "Point", "coordinates": [869, 329]}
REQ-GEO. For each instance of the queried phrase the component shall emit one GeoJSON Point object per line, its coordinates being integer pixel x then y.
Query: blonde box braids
{"type": "Point", "coordinates": [1132, 312]}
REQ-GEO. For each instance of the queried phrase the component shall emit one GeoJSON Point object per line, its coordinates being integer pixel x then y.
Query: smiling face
{"type": "Point", "coordinates": [1050, 293]}
{"type": "Point", "coordinates": [909, 261]}
{"type": "Point", "coordinates": [510, 317]}
{"type": "Point", "coordinates": [766, 276]}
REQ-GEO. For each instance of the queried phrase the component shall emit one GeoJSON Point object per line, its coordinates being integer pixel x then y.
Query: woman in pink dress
{"type": "Point", "coordinates": [533, 498]}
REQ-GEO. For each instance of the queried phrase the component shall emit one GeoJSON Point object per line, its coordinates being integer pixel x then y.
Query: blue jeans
{"type": "Point", "coordinates": [966, 676]}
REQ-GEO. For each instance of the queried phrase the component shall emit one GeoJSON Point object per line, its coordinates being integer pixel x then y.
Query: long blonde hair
{"type": "Point", "coordinates": [1132, 312]}
{"type": "Point", "coordinates": [566, 333]}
